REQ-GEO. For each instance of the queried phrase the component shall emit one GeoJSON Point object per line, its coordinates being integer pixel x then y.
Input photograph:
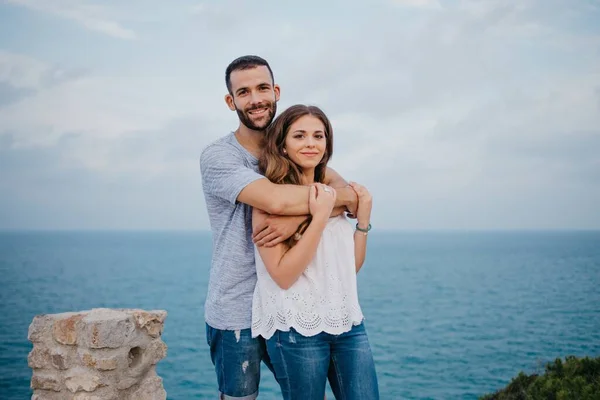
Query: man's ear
{"type": "Point", "coordinates": [277, 90]}
{"type": "Point", "coordinates": [229, 101]}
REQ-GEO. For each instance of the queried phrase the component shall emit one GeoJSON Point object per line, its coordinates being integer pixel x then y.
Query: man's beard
{"type": "Point", "coordinates": [247, 121]}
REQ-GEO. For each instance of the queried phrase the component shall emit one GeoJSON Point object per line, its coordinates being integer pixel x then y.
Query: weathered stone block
{"type": "Point", "coordinates": [39, 357]}
{"type": "Point", "coordinates": [81, 379]}
{"type": "Point", "coordinates": [60, 359]}
{"type": "Point", "coordinates": [126, 382]}
{"type": "Point", "coordinates": [45, 381]}
{"type": "Point", "coordinates": [42, 357]}
{"type": "Point", "coordinates": [46, 395]}
{"type": "Point", "coordinates": [65, 329]}
{"type": "Point", "coordinates": [100, 363]}
{"type": "Point", "coordinates": [102, 354]}
{"type": "Point", "coordinates": [151, 321]}
{"type": "Point", "coordinates": [150, 388]}
{"type": "Point", "coordinates": [104, 393]}
{"type": "Point", "coordinates": [105, 328]}
{"type": "Point", "coordinates": [40, 328]}
{"type": "Point", "coordinates": [156, 351]}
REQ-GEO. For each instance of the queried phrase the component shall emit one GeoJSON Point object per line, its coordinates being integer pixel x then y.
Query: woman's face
{"type": "Point", "coordinates": [305, 142]}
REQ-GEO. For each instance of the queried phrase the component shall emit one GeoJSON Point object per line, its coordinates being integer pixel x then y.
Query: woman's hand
{"type": "Point", "coordinates": [365, 203]}
{"type": "Point", "coordinates": [321, 201]}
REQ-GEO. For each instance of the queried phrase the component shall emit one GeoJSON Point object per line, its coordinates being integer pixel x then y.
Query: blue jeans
{"type": "Point", "coordinates": [303, 365]}
{"type": "Point", "coordinates": [236, 357]}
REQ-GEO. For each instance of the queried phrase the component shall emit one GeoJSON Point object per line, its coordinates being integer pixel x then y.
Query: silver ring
{"type": "Point", "coordinates": [326, 188]}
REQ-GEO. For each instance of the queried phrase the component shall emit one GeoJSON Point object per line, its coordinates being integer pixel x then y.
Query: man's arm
{"type": "Point", "coordinates": [284, 219]}
{"type": "Point", "coordinates": [226, 175]}
{"type": "Point", "coordinates": [287, 199]}
{"type": "Point", "coordinates": [346, 196]}
{"type": "Point", "coordinates": [276, 199]}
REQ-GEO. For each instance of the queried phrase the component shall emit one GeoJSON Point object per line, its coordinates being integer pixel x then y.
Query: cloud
{"type": "Point", "coordinates": [85, 13]}
{"type": "Point", "coordinates": [140, 180]}
{"type": "Point", "coordinates": [10, 94]}
{"type": "Point", "coordinates": [478, 115]}
{"type": "Point", "coordinates": [21, 71]}
{"type": "Point", "coordinates": [427, 4]}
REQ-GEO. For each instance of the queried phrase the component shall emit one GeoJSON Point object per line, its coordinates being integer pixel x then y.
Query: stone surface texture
{"type": "Point", "coordinates": [99, 354]}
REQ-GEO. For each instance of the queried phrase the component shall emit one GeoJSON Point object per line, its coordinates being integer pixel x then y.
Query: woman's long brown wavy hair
{"type": "Point", "coordinates": [277, 167]}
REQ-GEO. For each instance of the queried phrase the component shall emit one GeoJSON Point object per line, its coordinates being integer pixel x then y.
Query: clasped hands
{"type": "Point", "coordinates": [278, 228]}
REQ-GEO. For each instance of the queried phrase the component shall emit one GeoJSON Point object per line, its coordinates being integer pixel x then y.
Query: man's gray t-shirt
{"type": "Point", "coordinates": [227, 168]}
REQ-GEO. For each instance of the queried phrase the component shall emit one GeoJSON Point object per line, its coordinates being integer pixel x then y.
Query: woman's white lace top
{"type": "Point", "coordinates": [323, 299]}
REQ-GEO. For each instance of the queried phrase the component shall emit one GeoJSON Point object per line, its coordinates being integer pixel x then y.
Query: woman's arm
{"type": "Point", "coordinates": [360, 247]}
{"type": "Point", "coordinates": [363, 216]}
{"type": "Point", "coordinates": [284, 264]}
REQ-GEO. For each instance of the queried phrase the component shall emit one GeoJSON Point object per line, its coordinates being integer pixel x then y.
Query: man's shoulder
{"type": "Point", "coordinates": [219, 149]}
{"type": "Point", "coordinates": [222, 143]}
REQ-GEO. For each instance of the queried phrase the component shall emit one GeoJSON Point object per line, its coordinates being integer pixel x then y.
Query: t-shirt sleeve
{"type": "Point", "coordinates": [224, 173]}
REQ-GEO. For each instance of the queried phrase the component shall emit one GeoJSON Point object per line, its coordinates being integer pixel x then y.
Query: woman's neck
{"type": "Point", "coordinates": [308, 176]}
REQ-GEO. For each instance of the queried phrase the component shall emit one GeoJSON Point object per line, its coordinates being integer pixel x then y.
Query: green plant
{"type": "Point", "coordinates": [572, 379]}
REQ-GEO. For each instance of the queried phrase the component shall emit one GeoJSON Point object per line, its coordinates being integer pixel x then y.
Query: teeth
{"type": "Point", "coordinates": [258, 111]}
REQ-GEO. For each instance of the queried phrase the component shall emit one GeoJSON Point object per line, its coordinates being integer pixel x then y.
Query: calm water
{"type": "Point", "coordinates": [450, 315]}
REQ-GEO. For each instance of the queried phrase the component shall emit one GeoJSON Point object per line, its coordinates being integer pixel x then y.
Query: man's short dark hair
{"type": "Point", "coordinates": [242, 63]}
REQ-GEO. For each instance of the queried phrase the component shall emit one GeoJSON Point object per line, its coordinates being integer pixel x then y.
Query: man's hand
{"type": "Point", "coordinates": [349, 198]}
{"type": "Point", "coordinates": [352, 206]}
{"type": "Point", "coordinates": [275, 229]}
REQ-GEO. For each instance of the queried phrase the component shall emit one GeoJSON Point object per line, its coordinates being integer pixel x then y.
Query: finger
{"type": "Point", "coordinates": [267, 239]}
{"type": "Point", "coordinates": [259, 236]}
{"type": "Point", "coordinates": [259, 228]}
{"type": "Point", "coordinates": [274, 242]}
{"type": "Point", "coordinates": [313, 192]}
{"type": "Point", "coordinates": [327, 189]}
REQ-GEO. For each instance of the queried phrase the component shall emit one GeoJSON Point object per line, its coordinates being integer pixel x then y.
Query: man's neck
{"type": "Point", "coordinates": [250, 139]}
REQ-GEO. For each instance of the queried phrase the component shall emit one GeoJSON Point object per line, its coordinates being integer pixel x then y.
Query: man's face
{"type": "Point", "coordinates": [254, 97]}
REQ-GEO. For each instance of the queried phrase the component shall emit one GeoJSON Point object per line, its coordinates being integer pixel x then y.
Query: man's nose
{"type": "Point", "coordinates": [255, 98]}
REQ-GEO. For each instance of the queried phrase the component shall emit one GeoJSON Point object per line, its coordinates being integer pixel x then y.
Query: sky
{"type": "Point", "coordinates": [457, 115]}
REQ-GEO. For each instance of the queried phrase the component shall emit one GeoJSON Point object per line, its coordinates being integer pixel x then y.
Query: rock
{"type": "Point", "coordinates": [102, 364]}
{"type": "Point", "coordinates": [152, 321]}
{"type": "Point", "coordinates": [156, 351]}
{"type": "Point", "coordinates": [80, 379]}
{"type": "Point", "coordinates": [60, 360]}
{"type": "Point", "coordinates": [65, 330]}
{"type": "Point", "coordinates": [149, 389]}
{"type": "Point", "coordinates": [105, 328]}
{"type": "Point", "coordinates": [39, 357]}
{"type": "Point", "coordinates": [102, 354]}
{"type": "Point", "coordinates": [45, 382]}
{"type": "Point", "coordinates": [40, 328]}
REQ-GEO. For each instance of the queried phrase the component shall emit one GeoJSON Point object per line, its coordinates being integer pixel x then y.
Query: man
{"type": "Point", "coordinates": [232, 187]}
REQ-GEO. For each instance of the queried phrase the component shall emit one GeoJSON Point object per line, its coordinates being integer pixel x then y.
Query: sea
{"type": "Point", "coordinates": [450, 315]}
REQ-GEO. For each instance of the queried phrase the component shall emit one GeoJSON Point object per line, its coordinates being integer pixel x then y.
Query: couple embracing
{"type": "Point", "coordinates": [282, 286]}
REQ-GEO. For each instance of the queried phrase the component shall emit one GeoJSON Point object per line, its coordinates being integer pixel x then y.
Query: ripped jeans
{"type": "Point", "coordinates": [303, 364]}
{"type": "Point", "coordinates": [236, 356]}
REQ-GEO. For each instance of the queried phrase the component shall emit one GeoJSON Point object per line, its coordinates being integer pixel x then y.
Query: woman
{"type": "Point", "coordinates": [305, 303]}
